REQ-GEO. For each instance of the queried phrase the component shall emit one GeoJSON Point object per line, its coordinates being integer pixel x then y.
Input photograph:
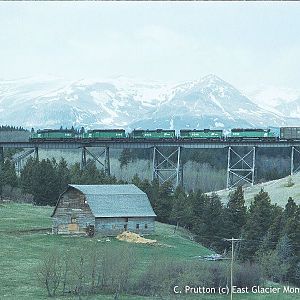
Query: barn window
{"type": "Point", "coordinates": [73, 220]}
{"type": "Point", "coordinates": [137, 226]}
{"type": "Point", "coordinates": [146, 226]}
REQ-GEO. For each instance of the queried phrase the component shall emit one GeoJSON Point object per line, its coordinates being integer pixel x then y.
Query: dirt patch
{"type": "Point", "coordinates": [135, 238]}
{"type": "Point", "coordinates": [25, 231]}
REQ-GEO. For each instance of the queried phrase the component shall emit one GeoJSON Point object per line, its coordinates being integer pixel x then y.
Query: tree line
{"type": "Point", "coordinates": [72, 129]}
{"type": "Point", "coordinates": [270, 234]}
{"type": "Point", "coordinates": [11, 128]}
{"type": "Point", "coordinates": [46, 179]}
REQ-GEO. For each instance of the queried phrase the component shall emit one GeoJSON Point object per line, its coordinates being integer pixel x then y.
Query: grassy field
{"type": "Point", "coordinates": [278, 190]}
{"type": "Point", "coordinates": [22, 250]}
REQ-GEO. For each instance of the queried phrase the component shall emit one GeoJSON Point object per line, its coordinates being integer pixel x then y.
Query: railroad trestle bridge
{"type": "Point", "coordinates": [166, 155]}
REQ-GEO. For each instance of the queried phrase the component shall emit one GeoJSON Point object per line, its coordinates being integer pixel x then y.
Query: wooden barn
{"type": "Point", "coordinates": [104, 209]}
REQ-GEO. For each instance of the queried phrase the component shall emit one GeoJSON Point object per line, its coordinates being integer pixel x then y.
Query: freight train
{"type": "Point", "coordinates": [234, 135]}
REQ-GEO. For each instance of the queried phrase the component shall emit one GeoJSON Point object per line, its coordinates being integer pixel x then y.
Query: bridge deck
{"type": "Point", "coordinates": [148, 144]}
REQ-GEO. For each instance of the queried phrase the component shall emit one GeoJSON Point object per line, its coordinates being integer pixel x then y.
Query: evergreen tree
{"type": "Point", "coordinates": [285, 250]}
{"type": "Point", "coordinates": [235, 214]}
{"type": "Point", "coordinates": [275, 230]}
{"type": "Point", "coordinates": [150, 188]}
{"type": "Point", "coordinates": [257, 225]}
{"type": "Point", "coordinates": [90, 174]}
{"type": "Point", "coordinates": [285, 253]}
{"type": "Point", "coordinates": [208, 223]}
{"type": "Point", "coordinates": [125, 157]}
{"type": "Point", "coordinates": [82, 130]}
{"type": "Point", "coordinates": [75, 173]}
{"type": "Point", "coordinates": [163, 204]}
{"type": "Point", "coordinates": [181, 212]}
{"type": "Point", "coordinates": [292, 224]}
{"type": "Point", "coordinates": [27, 175]}
{"type": "Point", "coordinates": [272, 267]}
{"type": "Point", "coordinates": [39, 179]}
{"type": "Point", "coordinates": [297, 274]}
{"type": "Point", "coordinates": [290, 209]}
{"type": "Point", "coordinates": [63, 175]}
{"type": "Point", "coordinates": [265, 246]}
{"type": "Point", "coordinates": [45, 184]}
{"type": "Point", "coordinates": [1, 178]}
{"type": "Point", "coordinates": [9, 173]}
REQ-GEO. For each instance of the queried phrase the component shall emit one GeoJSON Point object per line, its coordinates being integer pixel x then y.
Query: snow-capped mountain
{"type": "Point", "coordinates": [273, 98]}
{"type": "Point", "coordinates": [123, 103]}
{"type": "Point", "coordinates": [209, 102]}
{"type": "Point", "coordinates": [290, 109]}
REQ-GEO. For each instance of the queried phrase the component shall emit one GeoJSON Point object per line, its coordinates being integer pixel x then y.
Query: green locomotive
{"type": "Point", "coordinates": [158, 134]}
{"type": "Point", "coordinates": [250, 134]}
{"type": "Point", "coordinates": [236, 135]}
{"type": "Point", "coordinates": [203, 134]}
{"type": "Point", "coordinates": [53, 135]}
{"type": "Point", "coordinates": [104, 134]}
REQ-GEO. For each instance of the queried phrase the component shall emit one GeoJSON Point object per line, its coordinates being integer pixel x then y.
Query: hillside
{"type": "Point", "coordinates": [278, 190]}
{"type": "Point", "coordinates": [22, 248]}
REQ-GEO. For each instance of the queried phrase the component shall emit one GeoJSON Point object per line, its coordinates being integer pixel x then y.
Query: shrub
{"type": "Point", "coordinates": [290, 182]}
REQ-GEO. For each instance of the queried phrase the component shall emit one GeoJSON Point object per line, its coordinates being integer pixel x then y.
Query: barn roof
{"type": "Point", "coordinates": [116, 200]}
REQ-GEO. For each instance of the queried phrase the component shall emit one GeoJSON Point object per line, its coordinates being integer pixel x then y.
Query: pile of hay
{"type": "Point", "coordinates": [134, 238]}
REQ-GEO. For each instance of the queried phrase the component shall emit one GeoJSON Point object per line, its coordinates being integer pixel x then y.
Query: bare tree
{"type": "Point", "coordinates": [49, 272]}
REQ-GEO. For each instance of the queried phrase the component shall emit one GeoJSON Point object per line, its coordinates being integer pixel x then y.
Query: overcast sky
{"type": "Point", "coordinates": [246, 44]}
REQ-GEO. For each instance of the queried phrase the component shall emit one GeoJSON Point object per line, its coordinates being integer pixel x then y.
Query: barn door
{"type": "Point", "coordinates": [73, 226]}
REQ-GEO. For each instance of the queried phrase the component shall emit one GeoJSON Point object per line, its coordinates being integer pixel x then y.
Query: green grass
{"type": "Point", "coordinates": [21, 252]}
{"type": "Point", "coordinates": [24, 217]}
{"type": "Point", "coordinates": [277, 189]}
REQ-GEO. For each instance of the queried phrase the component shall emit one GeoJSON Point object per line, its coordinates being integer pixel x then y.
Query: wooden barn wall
{"type": "Point", "coordinates": [72, 207]}
{"type": "Point", "coordinates": [114, 226]}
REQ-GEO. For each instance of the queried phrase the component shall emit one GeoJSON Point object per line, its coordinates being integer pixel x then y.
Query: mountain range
{"type": "Point", "coordinates": [125, 103]}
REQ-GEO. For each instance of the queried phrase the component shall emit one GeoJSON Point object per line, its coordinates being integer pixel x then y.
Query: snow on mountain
{"type": "Point", "coordinates": [125, 103]}
{"type": "Point", "coordinates": [208, 103]}
{"type": "Point", "coordinates": [290, 109]}
{"type": "Point", "coordinates": [271, 98]}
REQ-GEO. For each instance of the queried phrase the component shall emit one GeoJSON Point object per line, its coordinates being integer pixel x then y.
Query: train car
{"type": "Point", "coordinates": [104, 134]}
{"type": "Point", "coordinates": [250, 134]}
{"type": "Point", "coordinates": [202, 134]}
{"type": "Point", "coordinates": [290, 133]}
{"type": "Point", "coordinates": [53, 135]}
{"type": "Point", "coordinates": [158, 134]}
